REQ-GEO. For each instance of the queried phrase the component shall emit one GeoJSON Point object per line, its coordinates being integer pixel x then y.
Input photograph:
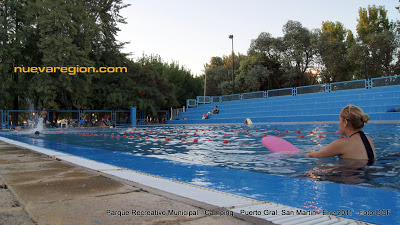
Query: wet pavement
{"type": "Point", "coordinates": [37, 189]}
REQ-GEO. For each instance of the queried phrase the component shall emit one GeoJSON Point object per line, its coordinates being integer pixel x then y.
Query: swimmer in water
{"type": "Point", "coordinates": [357, 145]}
{"type": "Point", "coordinates": [37, 132]}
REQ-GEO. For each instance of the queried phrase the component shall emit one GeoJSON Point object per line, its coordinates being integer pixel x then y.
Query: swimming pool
{"type": "Point", "coordinates": [244, 167]}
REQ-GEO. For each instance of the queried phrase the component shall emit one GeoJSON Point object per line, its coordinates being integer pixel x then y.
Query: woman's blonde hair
{"type": "Point", "coordinates": [355, 116]}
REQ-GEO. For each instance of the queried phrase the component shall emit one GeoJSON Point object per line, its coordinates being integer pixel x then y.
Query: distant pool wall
{"type": "Point", "coordinates": [316, 103]}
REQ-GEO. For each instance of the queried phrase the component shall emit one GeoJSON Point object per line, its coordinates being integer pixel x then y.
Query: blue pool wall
{"type": "Point", "coordinates": [314, 107]}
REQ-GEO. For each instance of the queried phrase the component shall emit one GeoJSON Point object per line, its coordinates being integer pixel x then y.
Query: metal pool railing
{"type": "Point", "coordinates": [294, 91]}
{"type": "Point", "coordinates": [253, 95]}
{"type": "Point", "coordinates": [13, 118]}
{"type": "Point", "coordinates": [235, 97]}
{"type": "Point", "coordinates": [347, 85]}
{"type": "Point", "coordinates": [385, 81]}
{"type": "Point", "coordinates": [280, 92]}
{"type": "Point", "coordinates": [2, 121]}
{"type": "Point", "coordinates": [313, 89]}
{"type": "Point", "coordinates": [176, 112]}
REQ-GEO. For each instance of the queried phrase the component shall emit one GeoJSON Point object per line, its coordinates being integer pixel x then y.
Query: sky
{"type": "Point", "coordinates": [190, 32]}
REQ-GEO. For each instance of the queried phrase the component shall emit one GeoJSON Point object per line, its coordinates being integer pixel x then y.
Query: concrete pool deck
{"type": "Point", "coordinates": [38, 189]}
{"type": "Point", "coordinates": [44, 186]}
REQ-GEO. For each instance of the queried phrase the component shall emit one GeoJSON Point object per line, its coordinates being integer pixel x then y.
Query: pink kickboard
{"type": "Point", "coordinates": [275, 144]}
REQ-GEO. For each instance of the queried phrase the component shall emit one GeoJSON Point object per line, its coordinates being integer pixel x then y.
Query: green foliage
{"type": "Point", "coordinates": [372, 20]}
{"type": "Point", "coordinates": [300, 52]}
{"type": "Point", "coordinates": [215, 77]}
{"type": "Point", "coordinates": [219, 74]}
{"type": "Point", "coordinates": [275, 63]}
{"type": "Point", "coordinates": [375, 51]}
{"type": "Point", "coordinates": [350, 40]}
{"type": "Point", "coordinates": [257, 78]}
{"type": "Point", "coordinates": [70, 33]}
{"type": "Point", "coordinates": [58, 33]}
{"type": "Point", "coordinates": [11, 18]}
{"type": "Point", "coordinates": [183, 84]}
{"type": "Point", "coordinates": [336, 53]}
{"type": "Point", "coordinates": [332, 48]}
{"type": "Point", "coordinates": [262, 70]}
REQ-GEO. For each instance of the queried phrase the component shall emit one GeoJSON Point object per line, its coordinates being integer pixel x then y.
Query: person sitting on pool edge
{"type": "Point", "coordinates": [357, 145]}
{"type": "Point", "coordinates": [216, 110]}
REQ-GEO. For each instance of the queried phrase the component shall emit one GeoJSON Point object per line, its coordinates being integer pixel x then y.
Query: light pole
{"type": "Point", "coordinates": [205, 82]}
{"type": "Point", "coordinates": [233, 65]}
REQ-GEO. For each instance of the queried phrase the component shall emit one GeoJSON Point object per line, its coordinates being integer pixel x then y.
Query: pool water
{"type": "Point", "coordinates": [245, 152]}
{"type": "Point", "coordinates": [243, 165]}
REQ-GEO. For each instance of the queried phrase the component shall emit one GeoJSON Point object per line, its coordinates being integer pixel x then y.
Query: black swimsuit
{"type": "Point", "coordinates": [367, 146]}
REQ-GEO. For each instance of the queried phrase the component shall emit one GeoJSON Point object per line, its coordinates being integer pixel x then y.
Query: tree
{"type": "Point", "coordinates": [59, 33]}
{"type": "Point", "coordinates": [4, 19]}
{"type": "Point", "coordinates": [274, 63]}
{"type": "Point", "coordinates": [377, 43]}
{"type": "Point", "coordinates": [16, 44]}
{"type": "Point", "coordinates": [299, 53]}
{"type": "Point", "coordinates": [371, 21]}
{"type": "Point", "coordinates": [216, 62]}
{"type": "Point", "coordinates": [184, 84]}
{"type": "Point", "coordinates": [71, 34]}
{"type": "Point", "coordinates": [219, 74]}
{"type": "Point", "coordinates": [332, 48]}
{"type": "Point", "coordinates": [262, 70]}
{"type": "Point", "coordinates": [215, 77]}
{"type": "Point", "coordinates": [12, 21]}
{"type": "Point", "coordinates": [258, 79]}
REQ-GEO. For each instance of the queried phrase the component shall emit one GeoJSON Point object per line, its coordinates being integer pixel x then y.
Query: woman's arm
{"type": "Point", "coordinates": [333, 149]}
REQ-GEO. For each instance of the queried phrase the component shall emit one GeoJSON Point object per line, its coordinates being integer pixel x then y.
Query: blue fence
{"type": "Point", "coordinates": [122, 117]}
{"type": "Point", "coordinates": [26, 114]}
{"type": "Point", "coordinates": [280, 92]}
{"type": "Point", "coordinates": [294, 91]}
{"type": "Point", "coordinates": [216, 99]}
{"type": "Point", "coordinates": [75, 117]}
{"type": "Point", "coordinates": [313, 89]}
{"type": "Point", "coordinates": [346, 85]}
{"type": "Point", "coordinates": [191, 103]}
{"type": "Point", "coordinates": [86, 118]}
{"type": "Point", "coordinates": [203, 99]}
{"type": "Point", "coordinates": [385, 81]}
{"type": "Point", "coordinates": [254, 95]}
{"type": "Point", "coordinates": [162, 117]}
{"type": "Point", "coordinates": [235, 97]}
{"type": "Point", "coordinates": [2, 121]}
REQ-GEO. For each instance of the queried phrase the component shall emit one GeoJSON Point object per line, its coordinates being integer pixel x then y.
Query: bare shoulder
{"type": "Point", "coordinates": [338, 145]}
{"type": "Point", "coordinates": [335, 148]}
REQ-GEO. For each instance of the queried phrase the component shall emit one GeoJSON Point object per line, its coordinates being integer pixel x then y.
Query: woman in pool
{"type": "Point", "coordinates": [357, 145]}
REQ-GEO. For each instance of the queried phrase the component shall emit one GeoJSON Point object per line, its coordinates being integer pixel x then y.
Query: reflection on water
{"type": "Point", "coordinates": [384, 173]}
{"type": "Point", "coordinates": [245, 152]}
{"type": "Point", "coordinates": [344, 171]}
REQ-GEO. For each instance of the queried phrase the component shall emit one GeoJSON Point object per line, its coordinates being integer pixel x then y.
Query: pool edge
{"type": "Point", "coordinates": [231, 202]}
